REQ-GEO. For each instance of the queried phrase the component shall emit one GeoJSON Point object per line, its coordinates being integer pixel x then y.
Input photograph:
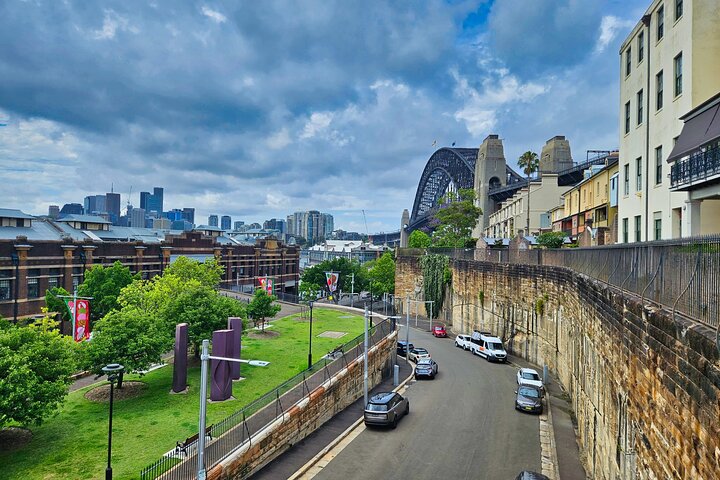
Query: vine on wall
{"type": "Point", "coordinates": [436, 274]}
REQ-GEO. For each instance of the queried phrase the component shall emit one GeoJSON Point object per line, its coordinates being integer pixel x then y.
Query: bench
{"type": "Point", "coordinates": [182, 447]}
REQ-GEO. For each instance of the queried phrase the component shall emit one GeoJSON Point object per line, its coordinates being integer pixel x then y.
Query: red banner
{"type": "Point", "coordinates": [266, 284]}
{"type": "Point", "coordinates": [80, 314]}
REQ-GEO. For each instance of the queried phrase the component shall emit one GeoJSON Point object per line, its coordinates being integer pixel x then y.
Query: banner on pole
{"type": "Point", "coordinates": [266, 284]}
{"type": "Point", "coordinates": [332, 280]}
{"type": "Point", "coordinates": [80, 315]}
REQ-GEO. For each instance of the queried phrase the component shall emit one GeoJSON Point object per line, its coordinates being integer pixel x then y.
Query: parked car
{"type": "Point", "coordinates": [487, 346]}
{"type": "Point", "coordinates": [418, 353]}
{"type": "Point", "coordinates": [528, 399]}
{"type": "Point", "coordinates": [439, 331]}
{"type": "Point", "coordinates": [528, 376]}
{"type": "Point", "coordinates": [386, 409]}
{"type": "Point", "coordinates": [427, 367]}
{"type": "Point", "coordinates": [463, 341]}
{"type": "Point", "coordinates": [402, 347]}
{"type": "Point", "coordinates": [528, 475]}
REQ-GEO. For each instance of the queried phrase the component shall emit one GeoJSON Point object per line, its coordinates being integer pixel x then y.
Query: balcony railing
{"type": "Point", "coordinates": [697, 168]}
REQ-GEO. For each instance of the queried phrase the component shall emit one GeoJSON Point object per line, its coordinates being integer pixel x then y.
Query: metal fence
{"type": "Point", "coordinates": [239, 428]}
{"type": "Point", "coordinates": [682, 274]}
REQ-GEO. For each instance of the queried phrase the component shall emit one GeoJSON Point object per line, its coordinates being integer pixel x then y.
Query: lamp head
{"type": "Point", "coordinates": [310, 303]}
{"type": "Point", "coordinates": [113, 370]}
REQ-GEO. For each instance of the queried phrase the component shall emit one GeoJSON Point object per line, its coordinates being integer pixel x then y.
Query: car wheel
{"type": "Point", "coordinates": [394, 423]}
{"type": "Point", "coordinates": [416, 377]}
{"type": "Point", "coordinates": [487, 357]}
{"type": "Point", "coordinates": [407, 408]}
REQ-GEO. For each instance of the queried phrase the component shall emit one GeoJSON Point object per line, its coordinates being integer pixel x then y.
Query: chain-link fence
{"type": "Point", "coordinates": [227, 435]}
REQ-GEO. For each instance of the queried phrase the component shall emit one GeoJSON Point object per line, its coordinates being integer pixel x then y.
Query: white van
{"type": "Point", "coordinates": [488, 346]}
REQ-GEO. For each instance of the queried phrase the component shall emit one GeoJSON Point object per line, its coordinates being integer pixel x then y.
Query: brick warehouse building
{"type": "Point", "coordinates": [37, 254]}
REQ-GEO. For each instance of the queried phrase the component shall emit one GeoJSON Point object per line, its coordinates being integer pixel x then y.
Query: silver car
{"type": "Point", "coordinates": [418, 353]}
{"type": "Point", "coordinates": [386, 409]}
{"type": "Point", "coordinates": [427, 367]}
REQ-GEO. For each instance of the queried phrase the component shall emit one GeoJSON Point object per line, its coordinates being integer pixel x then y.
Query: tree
{"type": "Point", "coordinates": [551, 239]}
{"type": "Point", "coordinates": [456, 218]}
{"type": "Point", "coordinates": [382, 275]}
{"type": "Point", "coordinates": [208, 273]}
{"type": "Point", "coordinates": [35, 367]}
{"type": "Point", "coordinates": [54, 303]}
{"type": "Point", "coordinates": [346, 268]}
{"type": "Point", "coordinates": [129, 337]}
{"type": "Point", "coordinates": [530, 164]}
{"type": "Point", "coordinates": [104, 284]}
{"type": "Point", "coordinates": [419, 239]}
{"type": "Point", "coordinates": [203, 309]}
{"type": "Point", "coordinates": [262, 306]}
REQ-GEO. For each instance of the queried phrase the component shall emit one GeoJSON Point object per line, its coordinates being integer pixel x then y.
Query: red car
{"type": "Point", "coordinates": [439, 331]}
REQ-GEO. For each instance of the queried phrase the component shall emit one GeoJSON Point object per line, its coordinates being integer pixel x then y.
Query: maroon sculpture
{"type": "Point", "coordinates": [180, 360]}
{"type": "Point", "coordinates": [221, 383]}
{"type": "Point", "coordinates": [235, 324]}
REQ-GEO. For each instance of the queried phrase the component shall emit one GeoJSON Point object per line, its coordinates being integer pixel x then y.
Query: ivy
{"type": "Point", "coordinates": [436, 274]}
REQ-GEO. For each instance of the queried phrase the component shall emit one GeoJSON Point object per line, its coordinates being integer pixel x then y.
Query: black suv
{"type": "Point", "coordinates": [402, 347]}
{"type": "Point", "coordinates": [386, 409]}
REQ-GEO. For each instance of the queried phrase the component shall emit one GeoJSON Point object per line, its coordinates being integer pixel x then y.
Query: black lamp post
{"type": "Point", "coordinates": [114, 373]}
{"type": "Point", "coordinates": [310, 304]}
{"type": "Point", "coordinates": [16, 264]}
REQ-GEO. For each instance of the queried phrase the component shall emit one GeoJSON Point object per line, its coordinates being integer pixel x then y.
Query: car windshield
{"type": "Point", "coordinates": [377, 407]}
{"type": "Point", "coordinates": [495, 345]}
{"type": "Point", "coordinates": [529, 392]}
{"type": "Point", "coordinates": [424, 363]}
{"type": "Point", "coordinates": [530, 376]}
{"type": "Point", "coordinates": [420, 351]}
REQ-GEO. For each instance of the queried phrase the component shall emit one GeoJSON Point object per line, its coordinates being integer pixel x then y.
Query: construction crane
{"type": "Point", "coordinates": [367, 232]}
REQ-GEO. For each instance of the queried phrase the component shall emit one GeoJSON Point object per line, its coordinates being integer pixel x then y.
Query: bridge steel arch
{"type": "Point", "coordinates": [446, 168]}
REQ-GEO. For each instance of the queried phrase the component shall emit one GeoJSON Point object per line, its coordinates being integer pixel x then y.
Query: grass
{"type": "Point", "coordinates": [73, 444]}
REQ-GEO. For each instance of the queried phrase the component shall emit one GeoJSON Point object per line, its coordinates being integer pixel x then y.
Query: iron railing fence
{"type": "Point", "coordinates": [681, 274]}
{"type": "Point", "coordinates": [695, 168]}
{"type": "Point", "coordinates": [235, 430]}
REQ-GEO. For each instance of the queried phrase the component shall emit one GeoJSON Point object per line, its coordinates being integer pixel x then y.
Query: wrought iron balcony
{"type": "Point", "coordinates": [697, 169]}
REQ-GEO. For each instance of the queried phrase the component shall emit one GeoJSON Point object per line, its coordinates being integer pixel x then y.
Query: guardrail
{"type": "Point", "coordinates": [239, 428]}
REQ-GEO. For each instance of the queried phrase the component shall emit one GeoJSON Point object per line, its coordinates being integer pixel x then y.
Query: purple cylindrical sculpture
{"type": "Point", "coordinates": [235, 324]}
{"type": "Point", "coordinates": [221, 383]}
{"type": "Point", "coordinates": [180, 360]}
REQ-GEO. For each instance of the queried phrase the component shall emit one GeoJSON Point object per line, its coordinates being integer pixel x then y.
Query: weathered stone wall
{"type": "Point", "coordinates": [337, 393]}
{"type": "Point", "coordinates": [645, 386]}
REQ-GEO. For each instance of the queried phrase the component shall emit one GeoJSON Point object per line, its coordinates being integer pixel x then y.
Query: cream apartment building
{"type": "Point", "coordinates": [669, 64]}
{"type": "Point", "coordinates": [512, 214]}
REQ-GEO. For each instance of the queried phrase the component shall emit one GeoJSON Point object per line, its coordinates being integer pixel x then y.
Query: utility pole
{"type": "Point", "coordinates": [352, 289]}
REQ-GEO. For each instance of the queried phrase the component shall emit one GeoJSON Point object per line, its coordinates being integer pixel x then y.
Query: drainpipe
{"type": "Point", "coordinates": [646, 22]}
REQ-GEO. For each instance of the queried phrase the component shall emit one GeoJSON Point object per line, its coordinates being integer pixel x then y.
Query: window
{"type": "Point", "coordinates": [638, 174]}
{"type": "Point", "coordinates": [659, 90]}
{"type": "Point", "coordinates": [678, 74]}
{"type": "Point", "coordinates": [53, 282]}
{"type": "Point", "coordinates": [33, 288]}
{"type": "Point", "coordinates": [637, 228]}
{"type": "Point", "coordinates": [628, 61]}
{"type": "Point", "coordinates": [658, 165]}
{"type": "Point", "coordinates": [5, 290]}
{"type": "Point", "coordinates": [678, 9]}
{"type": "Point", "coordinates": [640, 107]}
{"type": "Point", "coordinates": [625, 230]}
{"type": "Point", "coordinates": [626, 187]}
{"type": "Point", "coordinates": [641, 46]}
{"type": "Point", "coordinates": [658, 229]}
{"type": "Point", "coordinates": [661, 22]}
{"type": "Point", "coordinates": [627, 117]}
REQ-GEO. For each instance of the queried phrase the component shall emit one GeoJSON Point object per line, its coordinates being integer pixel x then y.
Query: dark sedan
{"type": "Point", "coordinates": [386, 409]}
{"type": "Point", "coordinates": [529, 399]}
{"type": "Point", "coordinates": [427, 367]}
{"type": "Point", "coordinates": [402, 347]}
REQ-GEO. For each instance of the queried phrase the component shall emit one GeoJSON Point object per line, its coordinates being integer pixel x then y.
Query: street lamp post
{"type": "Point", "coordinates": [310, 304]}
{"type": "Point", "coordinates": [114, 373]}
{"type": "Point", "coordinates": [205, 358]}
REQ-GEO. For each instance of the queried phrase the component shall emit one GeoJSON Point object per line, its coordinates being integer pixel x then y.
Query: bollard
{"type": "Point", "coordinates": [396, 375]}
{"type": "Point", "coordinates": [545, 374]}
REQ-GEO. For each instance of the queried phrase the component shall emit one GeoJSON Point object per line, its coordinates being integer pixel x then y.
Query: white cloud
{"type": "Point", "coordinates": [319, 121]}
{"type": "Point", "coordinates": [111, 24]}
{"type": "Point", "coordinates": [213, 15]}
{"type": "Point", "coordinates": [609, 28]}
{"type": "Point", "coordinates": [278, 140]}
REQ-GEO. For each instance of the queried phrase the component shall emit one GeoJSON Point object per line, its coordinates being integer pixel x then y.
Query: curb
{"type": "Point", "coordinates": [548, 449]}
{"type": "Point", "coordinates": [316, 459]}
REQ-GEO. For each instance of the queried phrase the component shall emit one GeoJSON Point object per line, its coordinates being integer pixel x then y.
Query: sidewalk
{"type": "Point", "coordinates": [299, 454]}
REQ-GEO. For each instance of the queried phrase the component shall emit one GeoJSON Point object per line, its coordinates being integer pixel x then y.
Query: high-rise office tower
{"type": "Point", "coordinates": [90, 204]}
{"type": "Point", "coordinates": [112, 206]}
{"type": "Point", "coordinates": [53, 211]}
{"type": "Point", "coordinates": [213, 220]}
{"type": "Point", "coordinates": [155, 201]}
{"type": "Point", "coordinates": [225, 222]}
{"type": "Point", "coordinates": [144, 197]}
{"type": "Point", "coordinates": [71, 209]}
{"type": "Point", "coordinates": [137, 217]}
{"type": "Point", "coordinates": [189, 215]}
{"type": "Point", "coordinates": [238, 224]}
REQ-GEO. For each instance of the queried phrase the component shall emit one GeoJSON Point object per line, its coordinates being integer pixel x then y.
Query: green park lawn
{"type": "Point", "coordinates": [73, 444]}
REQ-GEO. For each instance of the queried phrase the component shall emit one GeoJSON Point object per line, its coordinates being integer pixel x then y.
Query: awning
{"type": "Point", "coordinates": [700, 128]}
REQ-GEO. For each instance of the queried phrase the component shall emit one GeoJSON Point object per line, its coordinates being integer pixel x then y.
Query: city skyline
{"type": "Point", "coordinates": [255, 143]}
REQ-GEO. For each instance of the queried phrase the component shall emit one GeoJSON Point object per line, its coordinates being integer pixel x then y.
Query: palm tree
{"type": "Point", "coordinates": [530, 164]}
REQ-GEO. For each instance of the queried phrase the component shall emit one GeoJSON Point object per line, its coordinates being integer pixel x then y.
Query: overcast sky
{"type": "Point", "coordinates": [256, 109]}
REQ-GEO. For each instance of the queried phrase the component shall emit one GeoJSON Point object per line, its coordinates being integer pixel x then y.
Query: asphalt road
{"type": "Point", "coordinates": [462, 425]}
